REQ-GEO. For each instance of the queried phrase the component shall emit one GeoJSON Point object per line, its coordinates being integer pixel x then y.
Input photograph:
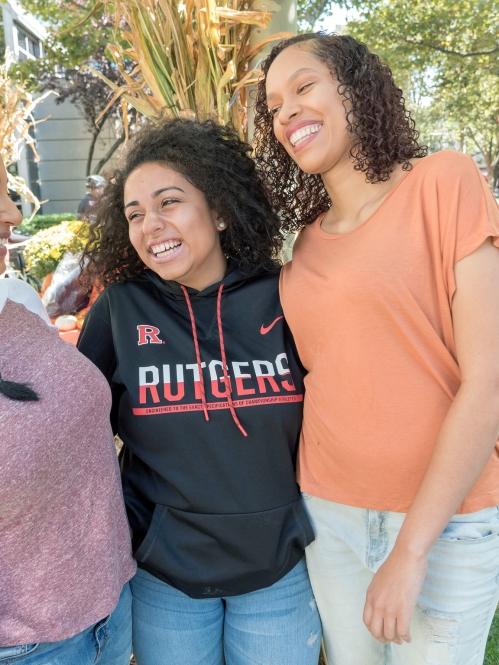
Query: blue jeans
{"type": "Point", "coordinates": [456, 604]}
{"type": "Point", "coordinates": [279, 625]}
{"type": "Point", "coordinates": [108, 642]}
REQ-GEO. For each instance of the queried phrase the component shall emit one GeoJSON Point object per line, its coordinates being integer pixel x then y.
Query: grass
{"type": "Point", "coordinates": [492, 651]}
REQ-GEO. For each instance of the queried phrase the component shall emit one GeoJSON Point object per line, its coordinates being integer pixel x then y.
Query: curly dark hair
{"type": "Point", "coordinates": [383, 131]}
{"type": "Point", "coordinates": [215, 161]}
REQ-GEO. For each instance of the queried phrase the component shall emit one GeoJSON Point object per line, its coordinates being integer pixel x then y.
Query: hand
{"type": "Point", "coordinates": [392, 596]}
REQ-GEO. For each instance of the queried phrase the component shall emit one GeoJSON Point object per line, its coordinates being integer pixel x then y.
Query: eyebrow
{"type": "Point", "coordinates": [293, 76]}
{"type": "Point", "coordinates": [154, 195]}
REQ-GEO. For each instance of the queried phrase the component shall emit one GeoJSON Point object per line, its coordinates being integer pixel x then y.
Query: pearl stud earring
{"type": "Point", "coordinates": [221, 225]}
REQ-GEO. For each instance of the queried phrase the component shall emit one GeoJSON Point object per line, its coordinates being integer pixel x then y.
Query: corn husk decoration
{"type": "Point", "coordinates": [16, 120]}
{"type": "Point", "coordinates": [191, 56]}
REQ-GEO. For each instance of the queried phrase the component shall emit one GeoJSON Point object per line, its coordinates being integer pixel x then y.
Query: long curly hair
{"type": "Point", "coordinates": [215, 161]}
{"type": "Point", "coordinates": [384, 133]}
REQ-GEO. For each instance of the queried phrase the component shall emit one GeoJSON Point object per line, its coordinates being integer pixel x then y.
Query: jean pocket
{"type": "Point", "coordinates": [473, 528]}
{"type": "Point", "coordinates": [10, 655]}
{"type": "Point", "coordinates": [101, 624]}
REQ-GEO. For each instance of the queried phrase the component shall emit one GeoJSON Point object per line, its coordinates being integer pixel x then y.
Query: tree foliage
{"type": "Point", "coordinates": [66, 51]}
{"type": "Point", "coordinates": [66, 47]}
{"type": "Point", "coordinates": [310, 12]}
{"type": "Point", "coordinates": [445, 56]}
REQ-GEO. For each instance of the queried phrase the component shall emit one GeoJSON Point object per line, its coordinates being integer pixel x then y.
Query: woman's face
{"type": "Point", "coordinates": [9, 216]}
{"type": "Point", "coordinates": [309, 115]}
{"type": "Point", "coordinates": [172, 228]}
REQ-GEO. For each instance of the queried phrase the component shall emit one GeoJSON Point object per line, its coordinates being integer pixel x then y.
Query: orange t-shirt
{"type": "Point", "coordinates": [370, 311]}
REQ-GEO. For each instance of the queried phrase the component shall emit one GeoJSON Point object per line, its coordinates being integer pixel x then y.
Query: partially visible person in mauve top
{"type": "Point", "coordinates": [392, 298]}
{"type": "Point", "coordinates": [64, 537]}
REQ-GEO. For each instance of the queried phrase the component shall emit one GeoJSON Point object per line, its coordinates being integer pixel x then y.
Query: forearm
{"type": "Point", "coordinates": [463, 448]}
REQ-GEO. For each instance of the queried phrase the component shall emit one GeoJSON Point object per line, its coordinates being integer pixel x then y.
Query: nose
{"type": "Point", "coordinates": [152, 223]}
{"type": "Point", "coordinates": [289, 111]}
{"type": "Point", "coordinates": [9, 212]}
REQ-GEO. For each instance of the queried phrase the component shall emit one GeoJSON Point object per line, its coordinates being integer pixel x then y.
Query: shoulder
{"type": "Point", "coordinates": [271, 276]}
{"type": "Point", "coordinates": [446, 167]}
{"type": "Point", "coordinates": [111, 294]}
{"type": "Point", "coordinates": [19, 292]}
{"type": "Point", "coordinates": [116, 298]}
{"type": "Point", "coordinates": [266, 281]}
{"type": "Point", "coordinates": [119, 290]}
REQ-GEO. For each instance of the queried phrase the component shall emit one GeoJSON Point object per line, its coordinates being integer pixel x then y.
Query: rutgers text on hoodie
{"type": "Point", "coordinates": [207, 398]}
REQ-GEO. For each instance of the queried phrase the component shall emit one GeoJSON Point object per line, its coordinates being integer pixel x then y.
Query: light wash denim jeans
{"type": "Point", "coordinates": [279, 625]}
{"type": "Point", "coordinates": [457, 602]}
{"type": "Point", "coordinates": [108, 642]}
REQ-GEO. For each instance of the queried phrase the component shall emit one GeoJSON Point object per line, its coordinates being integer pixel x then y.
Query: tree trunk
{"type": "Point", "coordinates": [95, 136]}
{"type": "Point", "coordinates": [490, 173]}
{"type": "Point", "coordinates": [284, 19]}
{"type": "Point", "coordinates": [496, 174]}
{"type": "Point", "coordinates": [488, 158]}
{"type": "Point", "coordinates": [489, 163]}
{"type": "Point", "coordinates": [110, 153]}
{"type": "Point", "coordinates": [92, 149]}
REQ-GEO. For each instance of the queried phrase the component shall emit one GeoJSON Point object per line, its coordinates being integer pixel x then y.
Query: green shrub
{"type": "Point", "coordinates": [46, 248]}
{"type": "Point", "coordinates": [492, 652]}
{"type": "Point", "coordinates": [40, 222]}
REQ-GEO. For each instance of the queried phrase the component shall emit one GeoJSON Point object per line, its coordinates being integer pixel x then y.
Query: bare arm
{"type": "Point", "coordinates": [465, 443]}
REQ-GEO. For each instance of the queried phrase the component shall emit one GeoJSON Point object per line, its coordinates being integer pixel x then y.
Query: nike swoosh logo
{"type": "Point", "coordinates": [264, 330]}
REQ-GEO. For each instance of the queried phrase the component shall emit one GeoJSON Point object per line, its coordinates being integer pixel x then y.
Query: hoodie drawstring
{"type": "Point", "coordinates": [198, 355]}
{"type": "Point", "coordinates": [228, 386]}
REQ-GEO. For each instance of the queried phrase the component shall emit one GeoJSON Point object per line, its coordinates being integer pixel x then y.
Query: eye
{"type": "Point", "coordinates": [133, 216]}
{"type": "Point", "coordinates": [303, 87]}
{"type": "Point", "coordinates": [274, 111]}
{"type": "Point", "coordinates": [169, 201]}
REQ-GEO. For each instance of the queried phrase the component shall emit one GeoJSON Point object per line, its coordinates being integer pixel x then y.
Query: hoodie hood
{"type": "Point", "coordinates": [233, 278]}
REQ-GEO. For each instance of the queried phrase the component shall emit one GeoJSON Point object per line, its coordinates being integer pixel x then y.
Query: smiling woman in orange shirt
{"type": "Point", "coordinates": [392, 297]}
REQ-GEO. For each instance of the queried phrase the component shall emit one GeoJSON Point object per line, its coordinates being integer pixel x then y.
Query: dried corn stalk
{"type": "Point", "coordinates": [16, 120]}
{"type": "Point", "coordinates": [191, 56]}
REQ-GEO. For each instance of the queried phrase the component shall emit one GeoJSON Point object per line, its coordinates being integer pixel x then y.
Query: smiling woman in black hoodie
{"type": "Point", "coordinates": [207, 398]}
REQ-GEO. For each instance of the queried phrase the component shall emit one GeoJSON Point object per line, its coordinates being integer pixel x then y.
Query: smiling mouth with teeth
{"type": "Point", "coordinates": [301, 134]}
{"type": "Point", "coordinates": [3, 241]}
{"type": "Point", "coordinates": [166, 248]}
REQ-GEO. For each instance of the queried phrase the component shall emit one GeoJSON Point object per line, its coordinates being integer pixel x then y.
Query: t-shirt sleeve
{"type": "Point", "coordinates": [468, 213]}
{"type": "Point", "coordinates": [97, 344]}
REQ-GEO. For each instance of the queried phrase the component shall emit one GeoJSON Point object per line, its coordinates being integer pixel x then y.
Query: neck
{"type": "Point", "coordinates": [353, 199]}
{"type": "Point", "coordinates": [205, 275]}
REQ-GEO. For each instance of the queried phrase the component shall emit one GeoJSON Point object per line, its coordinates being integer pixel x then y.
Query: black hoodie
{"type": "Point", "coordinates": [208, 474]}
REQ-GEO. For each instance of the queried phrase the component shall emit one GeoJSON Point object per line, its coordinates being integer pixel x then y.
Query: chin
{"type": "Point", "coordinates": [313, 164]}
{"type": "Point", "coordinates": [313, 167]}
{"type": "Point", "coordinates": [168, 273]}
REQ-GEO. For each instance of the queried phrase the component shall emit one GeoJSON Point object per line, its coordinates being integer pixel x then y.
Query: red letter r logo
{"type": "Point", "coordinates": [148, 335]}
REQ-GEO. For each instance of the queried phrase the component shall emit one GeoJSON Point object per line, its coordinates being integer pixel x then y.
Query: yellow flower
{"type": "Point", "coordinates": [47, 247]}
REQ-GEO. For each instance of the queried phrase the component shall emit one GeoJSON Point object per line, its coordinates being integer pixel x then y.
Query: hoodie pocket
{"type": "Point", "coordinates": [152, 534]}
{"type": "Point", "coordinates": [219, 555]}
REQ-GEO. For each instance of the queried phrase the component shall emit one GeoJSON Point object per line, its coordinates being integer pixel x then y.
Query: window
{"type": "Point", "coordinates": [28, 46]}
